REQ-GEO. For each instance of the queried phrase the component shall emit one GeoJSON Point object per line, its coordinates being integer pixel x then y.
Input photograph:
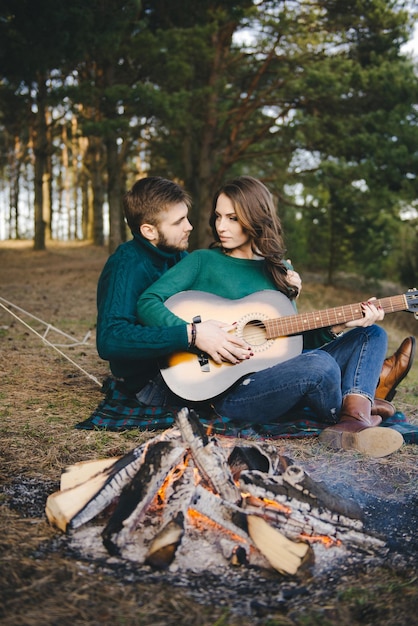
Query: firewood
{"type": "Point", "coordinates": [209, 457]}
{"type": "Point", "coordinates": [284, 555]}
{"type": "Point", "coordinates": [77, 505]}
{"type": "Point", "coordinates": [63, 508]}
{"type": "Point", "coordinates": [294, 483]}
{"type": "Point", "coordinates": [164, 545]}
{"type": "Point", "coordinates": [78, 473]}
{"type": "Point", "coordinates": [254, 506]}
{"type": "Point", "coordinates": [160, 458]}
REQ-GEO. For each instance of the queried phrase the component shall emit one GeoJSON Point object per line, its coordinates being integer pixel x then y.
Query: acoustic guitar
{"type": "Point", "coordinates": [269, 324]}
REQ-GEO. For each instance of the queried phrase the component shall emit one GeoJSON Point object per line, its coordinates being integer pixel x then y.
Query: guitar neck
{"type": "Point", "coordinates": [296, 324]}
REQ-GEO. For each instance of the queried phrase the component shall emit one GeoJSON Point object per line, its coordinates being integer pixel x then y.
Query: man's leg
{"type": "Point", "coordinates": [395, 368]}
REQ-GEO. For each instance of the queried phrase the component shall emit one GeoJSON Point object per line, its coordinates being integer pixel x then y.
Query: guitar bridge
{"type": "Point", "coordinates": [203, 362]}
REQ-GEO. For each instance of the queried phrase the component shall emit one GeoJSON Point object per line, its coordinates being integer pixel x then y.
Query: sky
{"type": "Point", "coordinates": [412, 45]}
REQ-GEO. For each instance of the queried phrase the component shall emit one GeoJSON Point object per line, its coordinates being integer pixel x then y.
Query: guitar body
{"type": "Point", "coordinates": [268, 323]}
{"type": "Point", "coordinates": [196, 377]}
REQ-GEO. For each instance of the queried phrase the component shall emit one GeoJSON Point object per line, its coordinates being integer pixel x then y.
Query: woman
{"type": "Point", "coordinates": [336, 376]}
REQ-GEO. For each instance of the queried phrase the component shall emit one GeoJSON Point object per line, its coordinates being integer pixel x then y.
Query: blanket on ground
{"type": "Point", "coordinates": [120, 410]}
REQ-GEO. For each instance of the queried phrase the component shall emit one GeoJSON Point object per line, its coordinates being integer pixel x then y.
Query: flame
{"type": "Point", "coordinates": [176, 473]}
{"type": "Point", "coordinates": [267, 503]}
{"type": "Point", "coordinates": [277, 505]}
{"type": "Point", "coordinates": [328, 542]}
{"type": "Point", "coordinates": [199, 519]}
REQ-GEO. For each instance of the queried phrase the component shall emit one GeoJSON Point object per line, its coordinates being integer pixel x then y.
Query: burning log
{"type": "Point", "coordinates": [209, 457]}
{"type": "Point", "coordinates": [160, 458]}
{"type": "Point", "coordinates": [294, 483]}
{"type": "Point", "coordinates": [245, 502]}
{"type": "Point", "coordinates": [300, 515]}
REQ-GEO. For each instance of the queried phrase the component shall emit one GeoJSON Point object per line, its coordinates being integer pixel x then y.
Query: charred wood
{"type": "Point", "coordinates": [208, 456]}
{"type": "Point", "coordinates": [159, 459]}
{"type": "Point", "coordinates": [294, 483]}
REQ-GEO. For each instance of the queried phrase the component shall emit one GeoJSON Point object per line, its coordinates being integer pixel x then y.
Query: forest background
{"type": "Point", "coordinates": [318, 98]}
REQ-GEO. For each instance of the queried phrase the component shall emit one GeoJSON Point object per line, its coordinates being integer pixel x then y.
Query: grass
{"type": "Point", "coordinates": [43, 396]}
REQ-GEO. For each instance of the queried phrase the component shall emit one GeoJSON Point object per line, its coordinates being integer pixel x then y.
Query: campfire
{"type": "Point", "coordinates": [185, 500]}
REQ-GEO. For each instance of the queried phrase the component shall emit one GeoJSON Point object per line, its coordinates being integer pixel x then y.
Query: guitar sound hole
{"type": "Point", "coordinates": [254, 333]}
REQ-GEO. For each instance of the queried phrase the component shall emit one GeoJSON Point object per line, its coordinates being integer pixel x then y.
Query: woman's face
{"type": "Point", "coordinates": [232, 236]}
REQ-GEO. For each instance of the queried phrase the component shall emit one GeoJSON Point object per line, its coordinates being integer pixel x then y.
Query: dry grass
{"type": "Point", "coordinates": [42, 397]}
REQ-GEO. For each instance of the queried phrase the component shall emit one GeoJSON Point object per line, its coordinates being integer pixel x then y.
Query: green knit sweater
{"type": "Point", "coordinates": [214, 272]}
{"type": "Point", "coordinates": [131, 349]}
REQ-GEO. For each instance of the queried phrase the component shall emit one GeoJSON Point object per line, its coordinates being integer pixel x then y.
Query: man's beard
{"type": "Point", "coordinates": [165, 246]}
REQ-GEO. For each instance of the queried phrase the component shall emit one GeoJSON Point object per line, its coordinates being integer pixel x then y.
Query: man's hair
{"type": "Point", "coordinates": [148, 198]}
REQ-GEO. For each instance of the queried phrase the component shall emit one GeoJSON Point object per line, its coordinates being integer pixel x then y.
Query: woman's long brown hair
{"type": "Point", "coordinates": [256, 212]}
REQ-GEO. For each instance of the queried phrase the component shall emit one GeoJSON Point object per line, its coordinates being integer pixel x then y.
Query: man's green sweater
{"type": "Point", "coordinates": [130, 348]}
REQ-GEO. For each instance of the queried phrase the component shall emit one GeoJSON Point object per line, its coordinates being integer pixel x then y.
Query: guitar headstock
{"type": "Point", "coordinates": [412, 301]}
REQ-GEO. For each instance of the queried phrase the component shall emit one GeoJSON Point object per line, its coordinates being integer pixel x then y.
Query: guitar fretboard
{"type": "Point", "coordinates": [295, 324]}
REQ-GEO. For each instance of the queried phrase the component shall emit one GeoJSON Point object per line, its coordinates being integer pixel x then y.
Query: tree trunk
{"type": "Point", "coordinates": [40, 151]}
{"type": "Point", "coordinates": [15, 163]}
{"type": "Point", "coordinates": [204, 173]}
{"type": "Point", "coordinates": [114, 195]}
{"type": "Point", "coordinates": [94, 160]}
{"type": "Point", "coordinates": [47, 198]}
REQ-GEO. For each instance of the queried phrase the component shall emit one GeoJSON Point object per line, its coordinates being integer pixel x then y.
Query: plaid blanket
{"type": "Point", "coordinates": [120, 410]}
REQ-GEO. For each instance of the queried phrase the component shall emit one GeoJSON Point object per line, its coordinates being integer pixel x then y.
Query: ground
{"type": "Point", "coordinates": [45, 391]}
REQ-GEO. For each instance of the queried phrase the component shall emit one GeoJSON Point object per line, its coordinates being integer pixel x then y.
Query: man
{"type": "Point", "coordinates": [156, 211]}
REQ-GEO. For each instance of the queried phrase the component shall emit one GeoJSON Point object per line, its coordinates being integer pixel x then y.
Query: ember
{"type": "Point", "coordinates": [184, 500]}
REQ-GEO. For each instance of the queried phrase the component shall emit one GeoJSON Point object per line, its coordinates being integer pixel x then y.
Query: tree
{"type": "Point", "coordinates": [358, 119]}
{"type": "Point", "coordinates": [14, 113]}
{"type": "Point", "coordinates": [312, 97]}
{"type": "Point", "coordinates": [311, 79]}
{"type": "Point", "coordinates": [35, 39]}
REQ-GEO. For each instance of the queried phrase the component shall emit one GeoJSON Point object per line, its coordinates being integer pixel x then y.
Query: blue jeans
{"type": "Point", "coordinates": [318, 379]}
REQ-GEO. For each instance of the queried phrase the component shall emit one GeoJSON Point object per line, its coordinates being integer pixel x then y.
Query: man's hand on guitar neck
{"type": "Point", "coordinates": [214, 338]}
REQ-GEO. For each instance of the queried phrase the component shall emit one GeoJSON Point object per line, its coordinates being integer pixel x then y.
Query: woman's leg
{"type": "Point", "coordinates": [312, 379]}
{"type": "Point", "coordinates": [360, 354]}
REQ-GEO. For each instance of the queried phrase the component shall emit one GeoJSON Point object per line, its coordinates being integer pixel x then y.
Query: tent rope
{"type": "Point", "coordinates": [49, 327]}
{"type": "Point", "coordinates": [45, 340]}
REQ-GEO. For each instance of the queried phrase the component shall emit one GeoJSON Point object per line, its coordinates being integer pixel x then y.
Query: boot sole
{"type": "Point", "coordinates": [375, 441]}
{"type": "Point", "coordinates": [393, 391]}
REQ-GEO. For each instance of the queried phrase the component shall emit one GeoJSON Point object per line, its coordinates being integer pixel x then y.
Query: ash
{"type": "Point", "coordinates": [27, 496]}
{"type": "Point", "coordinates": [250, 591]}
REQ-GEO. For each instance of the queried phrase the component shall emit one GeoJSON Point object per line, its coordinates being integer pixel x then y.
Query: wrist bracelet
{"type": "Point", "coordinates": [192, 342]}
{"type": "Point", "coordinates": [334, 335]}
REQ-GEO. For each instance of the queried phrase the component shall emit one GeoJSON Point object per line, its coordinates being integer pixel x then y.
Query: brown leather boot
{"type": "Point", "coordinates": [358, 430]}
{"type": "Point", "coordinates": [395, 368]}
{"type": "Point", "coordinates": [383, 408]}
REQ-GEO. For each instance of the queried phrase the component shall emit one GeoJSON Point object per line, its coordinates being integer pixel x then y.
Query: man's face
{"type": "Point", "coordinates": [173, 229]}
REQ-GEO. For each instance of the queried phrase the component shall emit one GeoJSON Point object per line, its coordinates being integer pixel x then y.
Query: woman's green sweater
{"type": "Point", "coordinates": [214, 272]}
